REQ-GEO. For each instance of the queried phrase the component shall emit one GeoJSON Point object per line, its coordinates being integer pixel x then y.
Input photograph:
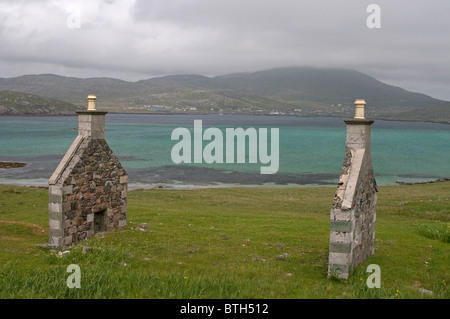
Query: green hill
{"type": "Point", "coordinates": [301, 91]}
{"type": "Point", "coordinates": [18, 103]}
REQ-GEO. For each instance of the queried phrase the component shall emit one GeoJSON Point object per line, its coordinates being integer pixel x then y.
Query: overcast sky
{"type": "Point", "coordinates": [140, 39]}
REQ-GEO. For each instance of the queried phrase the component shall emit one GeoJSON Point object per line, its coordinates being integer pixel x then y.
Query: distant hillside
{"type": "Point", "coordinates": [19, 103]}
{"type": "Point", "coordinates": [297, 91]}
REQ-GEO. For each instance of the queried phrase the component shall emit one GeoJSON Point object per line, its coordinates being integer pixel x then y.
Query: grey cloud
{"type": "Point", "coordinates": [139, 39]}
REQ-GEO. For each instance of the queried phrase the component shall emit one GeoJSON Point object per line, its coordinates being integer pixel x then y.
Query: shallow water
{"type": "Point", "coordinates": [311, 150]}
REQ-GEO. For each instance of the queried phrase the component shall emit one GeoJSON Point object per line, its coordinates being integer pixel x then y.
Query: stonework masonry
{"type": "Point", "coordinates": [353, 214]}
{"type": "Point", "coordinates": [88, 190]}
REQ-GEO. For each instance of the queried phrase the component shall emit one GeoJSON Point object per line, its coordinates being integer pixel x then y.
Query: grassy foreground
{"type": "Point", "coordinates": [228, 243]}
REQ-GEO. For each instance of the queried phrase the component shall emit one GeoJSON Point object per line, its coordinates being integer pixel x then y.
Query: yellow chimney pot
{"type": "Point", "coordinates": [359, 108]}
{"type": "Point", "coordinates": [91, 102]}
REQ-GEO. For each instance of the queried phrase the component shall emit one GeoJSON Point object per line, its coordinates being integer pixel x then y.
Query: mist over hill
{"type": "Point", "coordinates": [301, 91]}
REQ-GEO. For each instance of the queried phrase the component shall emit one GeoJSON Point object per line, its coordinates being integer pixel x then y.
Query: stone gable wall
{"type": "Point", "coordinates": [90, 196]}
{"type": "Point", "coordinates": [352, 217]}
{"type": "Point", "coordinates": [364, 217]}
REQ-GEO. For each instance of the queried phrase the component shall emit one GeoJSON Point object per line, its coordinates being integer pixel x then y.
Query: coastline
{"type": "Point", "coordinates": [144, 186]}
{"type": "Point", "coordinates": [234, 114]}
{"type": "Point", "coordinates": [160, 186]}
{"type": "Point", "coordinates": [439, 180]}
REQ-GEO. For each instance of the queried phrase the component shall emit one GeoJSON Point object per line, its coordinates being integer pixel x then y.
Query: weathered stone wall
{"type": "Point", "coordinates": [352, 218]}
{"type": "Point", "coordinates": [364, 216]}
{"type": "Point", "coordinates": [88, 190]}
{"type": "Point", "coordinates": [94, 183]}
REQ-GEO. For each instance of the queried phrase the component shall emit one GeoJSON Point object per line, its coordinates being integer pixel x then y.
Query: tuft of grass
{"type": "Point", "coordinates": [436, 230]}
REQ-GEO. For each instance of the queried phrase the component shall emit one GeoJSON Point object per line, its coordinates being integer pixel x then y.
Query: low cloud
{"type": "Point", "coordinates": [139, 39]}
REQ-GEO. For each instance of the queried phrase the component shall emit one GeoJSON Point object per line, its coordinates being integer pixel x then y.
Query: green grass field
{"type": "Point", "coordinates": [224, 243]}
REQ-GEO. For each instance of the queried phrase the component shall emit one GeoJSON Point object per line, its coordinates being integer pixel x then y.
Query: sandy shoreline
{"type": "Point", "coordinates": [142, 186]}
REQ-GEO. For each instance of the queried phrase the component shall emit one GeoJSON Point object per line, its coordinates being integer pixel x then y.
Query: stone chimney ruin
{"type": "Point", "coordinates": [88, 189]}
{"type": "Point", "coordinates": [352, 217]}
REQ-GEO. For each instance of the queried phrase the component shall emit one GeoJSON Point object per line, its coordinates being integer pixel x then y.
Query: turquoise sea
{"type": "Point", "coordinates": [311, 150]}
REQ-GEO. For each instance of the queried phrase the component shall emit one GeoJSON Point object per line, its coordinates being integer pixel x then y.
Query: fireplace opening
{"type": "Point", "coordinates": [100, 221]}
